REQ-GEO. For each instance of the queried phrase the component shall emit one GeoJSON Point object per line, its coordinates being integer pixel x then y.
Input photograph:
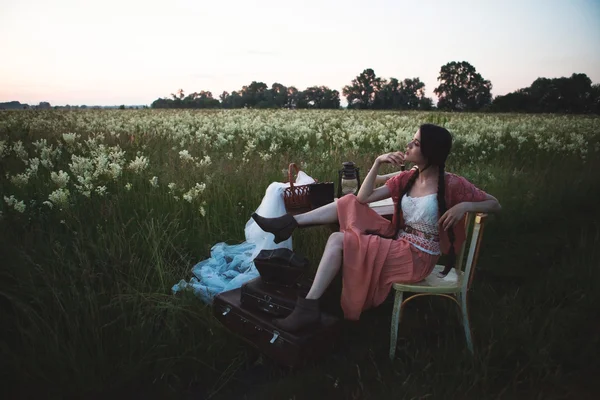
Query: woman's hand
{"type": "Point", "coordinates": [396, 158]}
{"type": "Point", "coordinates": [452, 216]}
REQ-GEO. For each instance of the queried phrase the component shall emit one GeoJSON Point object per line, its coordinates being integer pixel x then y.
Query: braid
{"type": "Point", "coordinates": [441, 198]}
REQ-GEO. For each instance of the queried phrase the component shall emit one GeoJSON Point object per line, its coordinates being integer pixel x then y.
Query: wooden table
{"type": "Point", "coordinates": [384, 208]}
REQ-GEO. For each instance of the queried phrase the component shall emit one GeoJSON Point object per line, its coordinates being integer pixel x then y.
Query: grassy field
{"type": "Point", "coordinates": [103, 211]}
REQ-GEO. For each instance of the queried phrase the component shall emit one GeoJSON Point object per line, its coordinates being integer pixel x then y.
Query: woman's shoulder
{"type": "Point", "coordinates": [454, 179]}
{"type": "Point", "coordinates": [461, 189]}
{"type": "Point", "coordinates": [403, 176]}
{"type": "Point", "coordinates": [397, 183]}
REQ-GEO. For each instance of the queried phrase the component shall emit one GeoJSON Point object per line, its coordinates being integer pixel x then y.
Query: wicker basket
{"type": "Point", "coordinates": [296, 197]}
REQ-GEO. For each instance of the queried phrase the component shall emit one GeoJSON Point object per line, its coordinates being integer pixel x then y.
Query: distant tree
{"type": "Point", "coordinates": [413, 92]}
{"type": "Point", "coordinates": [162, 103]}
{"type": "Point", "coordinates": [255, 95]}
{"type": "Point", "coordinates": [319, 97]}
{"type": "Point", "coordinates": [362, 93]}
{"type": "Point", "coordinates": [293, 97]}
{"type": "Point", "coordinates": [574, 94]}
{"type": "Point", "coordinates": [406, 95]}
{"type": "Point", "coordinates": [594, 106]}
{"type": "Point", "coordinates": [389, 96]}
{"type": "Point", "coordinates": [202, 99]}
{"type": "Point", "coordinates": [233, 100]}
{"type": "Point", "coordinates": [122, 107]}
{"type": "Point", "coordinates": [462, 88]}
{"type": "Point", "coordinates": [278, 95]}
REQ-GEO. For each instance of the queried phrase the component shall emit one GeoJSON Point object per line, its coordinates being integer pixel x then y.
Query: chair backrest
{"type": "Point", "coordinates": [474, 224]}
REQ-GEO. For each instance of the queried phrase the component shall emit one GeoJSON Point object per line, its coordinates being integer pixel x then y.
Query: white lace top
{"type": "Point", "coordinates": [420, 217]}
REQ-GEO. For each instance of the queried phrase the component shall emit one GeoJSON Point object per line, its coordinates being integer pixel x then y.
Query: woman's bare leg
{"type": "Point", "coordinates": [329, 266]}
{"type": "Point", "coordinates": [307, 310]}
{"type": "Point", "coordinates": [326, 214]}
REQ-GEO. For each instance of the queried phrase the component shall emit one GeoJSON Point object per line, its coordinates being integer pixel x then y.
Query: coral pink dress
{"type": "Point", "coordinates": [371, 263]}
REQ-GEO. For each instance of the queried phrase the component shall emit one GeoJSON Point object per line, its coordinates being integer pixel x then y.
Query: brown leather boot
{"type": "Point", "coordinates": [306, 313]}
{"type": "Point", "coordinates": [282, 227]}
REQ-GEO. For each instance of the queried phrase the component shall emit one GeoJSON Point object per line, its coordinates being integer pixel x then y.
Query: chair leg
{"type": "Point", "coordinates": [396, 314]}
{"type": "Point", "coordinates": [462, 298]}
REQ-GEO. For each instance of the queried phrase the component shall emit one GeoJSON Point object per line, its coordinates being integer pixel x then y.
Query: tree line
{"type": "Point", "coordinates": [461, 88]}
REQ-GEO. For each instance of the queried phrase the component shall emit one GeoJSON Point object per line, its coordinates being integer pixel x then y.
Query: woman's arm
{"type": "Point", "coordinates": [367, 193]}
{"type": "Point", "coordinates": [456, 213]}
{"type": "Point", "coordinates": [381, 179]}
{"type": "Point", "coordinates": [489, 205]}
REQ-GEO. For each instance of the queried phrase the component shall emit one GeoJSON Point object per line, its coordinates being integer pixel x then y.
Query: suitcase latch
{"type": "Point", "coordinates": [275, 336]}
{"type": "Point", "coordinates": [226, 310]}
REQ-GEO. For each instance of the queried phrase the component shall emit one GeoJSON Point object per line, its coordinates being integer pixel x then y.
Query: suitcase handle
{"type": "Point", "coordinates": [274, 338]}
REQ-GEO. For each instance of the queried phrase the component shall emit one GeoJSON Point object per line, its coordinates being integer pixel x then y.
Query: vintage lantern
{"type": "Point", "coordinates": [348, 179]}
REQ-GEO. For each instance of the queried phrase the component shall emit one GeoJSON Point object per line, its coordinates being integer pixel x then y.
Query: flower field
{"type": "Point", "coordinates": [103, 211]}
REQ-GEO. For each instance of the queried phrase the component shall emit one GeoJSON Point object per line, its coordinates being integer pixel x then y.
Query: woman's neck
{"type": "Point", "coordinates": [428, 174]}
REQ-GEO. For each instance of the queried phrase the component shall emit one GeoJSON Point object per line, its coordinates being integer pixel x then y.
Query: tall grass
{"type": "Point", "coordinates": [86, 306]}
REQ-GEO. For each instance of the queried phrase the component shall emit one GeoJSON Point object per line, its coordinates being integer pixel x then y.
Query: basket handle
{"type": "Point", "coordinates": [291, 174]}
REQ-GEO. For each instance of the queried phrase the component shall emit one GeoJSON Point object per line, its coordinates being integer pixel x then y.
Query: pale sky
{"type": "Point", "coordinates": [113, 52]}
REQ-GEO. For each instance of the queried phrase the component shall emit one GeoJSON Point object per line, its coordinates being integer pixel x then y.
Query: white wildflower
{"type": "Point", "coordinates": [16, 204]}
{"type": "Point", "coordinates": [200, 187]}
{"type": "Point", "coordinates": [101, 190]}
{"type": "Point", "coordinates": [194, 192]}
{"type": "Point", "coordinates": [114, 170]}
{"type": "Point", "coordinates": [128, 186]}
{"type": "Point", "coordinates": [34, 164]}
{"type": "Point", "coordinates": [60, 197]}
{"type": "Point", "coordinates": [139, 164]}
{"type": "Point", "coordinates": [40, 144]}
{"type": "Point", "coordinates": [47, 154]}
{"type": "Point", "coordinates": [48, 203]}
{"type": "Point", "coordinates": [202, 211]}
{"type": "Point", "coordinates": [10, 200]}
{"type": "Point", "coordinates": [60, 179]}
{"type": "Point", "coordinates": [185, 156]}
{"type": "Point", "coordinates": [81, 166]}
{"type": "Point", "coordinates": [70, 138]}
{"type": "Point", "coordinates": [20, 207]}
{"type": "Point", "coordinates": [20, 179]}
{"type": "Point", "coordinates": [19, 150]}
{"type": "Point", "coordinates": [154, 181]}
{"type": "Point", "coordinates": [205, 162]}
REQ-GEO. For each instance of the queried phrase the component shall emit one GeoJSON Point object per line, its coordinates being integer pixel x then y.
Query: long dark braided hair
{"type": "Point", "coordinates": [436, 143]}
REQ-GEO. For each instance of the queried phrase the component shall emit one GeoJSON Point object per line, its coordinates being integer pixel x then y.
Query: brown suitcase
{"type": "Point", "coordinates": [255, 327]}
{"type": "Point", "coordinates": [279, 301]}
{"type": "Point", "coordinates": [281, 266]}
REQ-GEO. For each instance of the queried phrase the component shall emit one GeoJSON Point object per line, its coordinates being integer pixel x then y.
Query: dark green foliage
{"type": "Point", "coordinates": [575, 95]}
{"type": "Point", "coordinates": [462, 88]}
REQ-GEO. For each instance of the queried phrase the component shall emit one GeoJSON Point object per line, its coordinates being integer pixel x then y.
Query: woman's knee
{"type": "Point", "coordinates": [347, 199]}
{"type": "Point", "coordinates": [336, 240]}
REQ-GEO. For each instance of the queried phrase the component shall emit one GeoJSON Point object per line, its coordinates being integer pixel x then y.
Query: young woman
{"type": "Point", "coordinates": [429, 203]}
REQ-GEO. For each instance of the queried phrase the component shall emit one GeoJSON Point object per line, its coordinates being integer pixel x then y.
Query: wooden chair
{"type": "Point", "coordinates": [454, 286]}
